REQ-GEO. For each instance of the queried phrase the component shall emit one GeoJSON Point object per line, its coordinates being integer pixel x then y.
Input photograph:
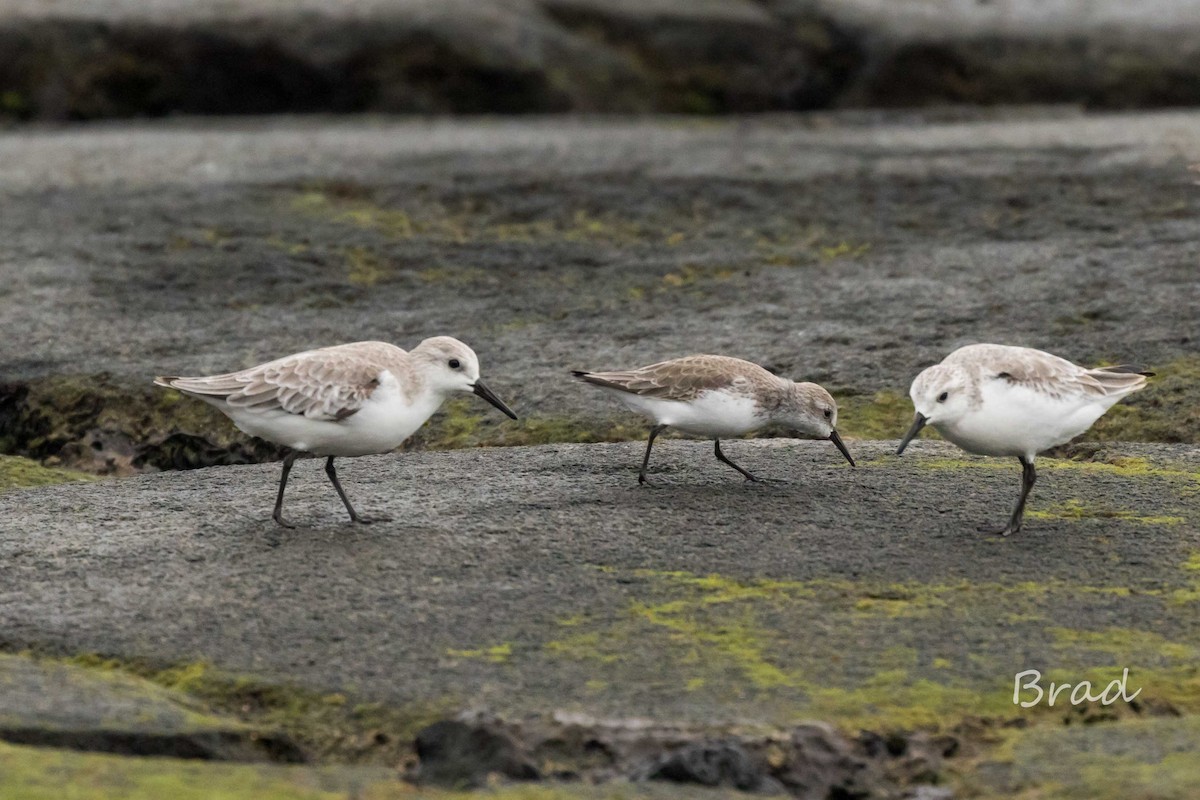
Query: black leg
{"type": "Point", "coordinates": [333, 478]}
{"type": "Point", "coordinates": [1028, 478]}
{"type": "Point", "coordinates": [655, 431]}
{"type": "Point", "coordinates": [288, 460]}
{"type": "Point", "coordinates": [721, 457]}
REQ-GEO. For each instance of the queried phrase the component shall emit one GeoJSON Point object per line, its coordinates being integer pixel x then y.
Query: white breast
{"type": "Point", "coordinates": [1019, 421]}
{"type": "Point", "coordinates": [383, 422]}
{"type": "Point", "coordinates": [711, 414]}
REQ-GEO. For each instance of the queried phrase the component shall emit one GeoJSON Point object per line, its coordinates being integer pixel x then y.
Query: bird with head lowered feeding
{"type": "Point", "coordinates": [347, 400]}
{"type": "Point", "coordinates": [717, 397]}
{"type": "Point", "coordinates": [998, 400]}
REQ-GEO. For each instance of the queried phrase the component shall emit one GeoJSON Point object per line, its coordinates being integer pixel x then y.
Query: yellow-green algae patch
{"type": "Point", "coordinates": [23, 473]}
{"type": "Point", "coordinates": [28, 773]}
{"type": "Point", "coordinates": [1131, 466]}
{"type": "Point", "coordinates": [1151, 758]}
{"type": "Point", "coordinates": [1077, 509]}
{"type": "Point", "coordinates": [1167, 410]}
{"type": "Point", "coordinates": [466, 224]}
{"type": "Point", "coordinates": [327, 725]}
{"type": "Point", "coordinates": [91, 422]}
{"type": "Point", "coordinates": [883, 415]}
{"type": "Point", "coordinates": [40, 774]}
{"type": "Point", "coordinates": [849, 652]}
{"type": "Point", "coordinates": [462, 423]}
{"type": "Point", "coordinates": [118, 693]}
{"type": "Point", "coordinates": [497, 653]}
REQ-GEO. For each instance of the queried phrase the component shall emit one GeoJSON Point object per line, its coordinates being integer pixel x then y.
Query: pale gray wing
{"type": "Point", "coordinates": [678, 379]}
{"type": "Point", "coordinates": [1049, 374]}
{"type": "Point", "coordinates": [328, 384]}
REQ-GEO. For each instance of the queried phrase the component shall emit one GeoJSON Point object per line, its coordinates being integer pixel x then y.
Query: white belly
{"type": "Point", "coordinates": [381, 425]}
{"type": "Point", "coordinates": [712, 414]}
{"type": "Point", "coordinates": [1016, 421]}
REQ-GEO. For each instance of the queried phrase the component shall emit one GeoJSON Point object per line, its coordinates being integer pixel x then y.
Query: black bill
{"type": "Point", "coordinates": [918, 423]}
{"type": "Point", "coordinates": [837, 442]}
{"type": "Point", "coordinates": [483, 391]}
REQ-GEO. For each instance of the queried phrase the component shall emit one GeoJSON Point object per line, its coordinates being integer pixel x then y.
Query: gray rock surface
{"type": "Point", "coordinates": [530, 580]}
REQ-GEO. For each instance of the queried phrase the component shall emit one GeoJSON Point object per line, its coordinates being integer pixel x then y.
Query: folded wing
{"type": "Point", "coordinates": [678, 379]}
{"type": "Point", "coordinates": [1053, 376]}
{"type": "Point", "coordinates": [318, 384]}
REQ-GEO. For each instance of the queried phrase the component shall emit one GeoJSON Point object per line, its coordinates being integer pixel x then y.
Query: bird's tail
{"type": "Point", "coordinates": [212, 386]}
{"type": "Point", "coordinates": [1120, 380]}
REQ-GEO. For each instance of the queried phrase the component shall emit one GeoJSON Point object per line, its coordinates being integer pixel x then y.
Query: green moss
{"type": "Point", "coordinates": [850, 652]}
{"type": "Point", "coordinates": [29, 773]}
{"type": "Point", "coordinates": [161, 707]}
{"type": "Point", "coordinates": [1167, 410]}
{"type": "Point", "coordinates": [883, 415]}
{"type": "Point", "coordinates": [90, 422]}
{"type": "Point", "coordinates": [1077, 509]}
{"type": "Point", "coordinates": [463, 423]}
{"type": "Point", "coordinates": [364, 268]}
{"type": "Point", "coordinates": [467, 224]}
{"type": "Point", "coordinates": [22, 473]}
{"type": "Point", "coordinates": [14, 103]}
{"type": "Point", "coordinates": [497, 653]}
{"type": "Point", "coordinates": [1134, 467]}
{"type": "Point", "coordinates": [1136, 758]}
{"type": "Point", "coordinates": [842, 250]}
{"type": "Point", "coordinates": [691, 274]}
{"type": "Point", "coordinates": [1127, 644]}
{"type": "Point", "coordinates": [327, 725]}
{"type": "Point", "coordinates": [40, 774]}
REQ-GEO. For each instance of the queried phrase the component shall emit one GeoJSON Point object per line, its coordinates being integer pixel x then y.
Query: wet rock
{"type": "Point", "coordinates": [464, 752]}
{"type": "Point", "coordinates": [711, 764]}
{"type": "Point", "coordinates": [823, 763]}
{"type": "Point", "coordinates": [113, 59]}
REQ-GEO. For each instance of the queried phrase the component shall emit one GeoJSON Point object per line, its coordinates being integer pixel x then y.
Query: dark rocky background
{"type": "Point", "coordinates": [74, 60]}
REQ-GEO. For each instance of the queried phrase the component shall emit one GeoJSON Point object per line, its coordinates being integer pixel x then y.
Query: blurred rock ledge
{"type": "Point", "coordinates": [94, 59]}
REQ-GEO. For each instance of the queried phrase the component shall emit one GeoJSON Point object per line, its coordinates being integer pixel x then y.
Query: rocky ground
{"type": "Point", "coordinates": [540, 584]}
{"type": "Point", "coordinates": [678, 633]}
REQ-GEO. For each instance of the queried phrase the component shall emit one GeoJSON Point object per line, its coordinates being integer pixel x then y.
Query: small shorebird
{"type": "Point", "coordinates": [996, 400]}
{"type": "Point", "coordinates": [718, 396]}
{"type": "Point", "coordinates": [348, 400]}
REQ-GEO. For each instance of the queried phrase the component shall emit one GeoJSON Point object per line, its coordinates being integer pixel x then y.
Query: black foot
{"type": "Point", "coordinates": [283, 523]}
{"type": "Point", "coordinates": [1008, 530]}
{"type": "Point", "coordinates": [644, 481]}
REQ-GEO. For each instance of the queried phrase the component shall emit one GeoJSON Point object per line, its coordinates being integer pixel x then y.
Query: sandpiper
{"type": "Point", "coordinates": [997, 400]}
{"type": "Point", "coordinates": [717, 397]}
{"type": "Point", "coordinates": [348, 400]}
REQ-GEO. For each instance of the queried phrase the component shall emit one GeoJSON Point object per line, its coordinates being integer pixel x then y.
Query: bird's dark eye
{"type": "Point", "coordinates": [454, 363]}
{"type": "Point", "coordinates": [942, 397]}
{"type": "Point", "coordinates": [828, 413]}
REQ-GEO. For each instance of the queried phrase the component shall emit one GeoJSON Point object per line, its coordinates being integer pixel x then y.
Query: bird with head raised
{"type": "Point", "coordinates": [717, 397]}
{"type": "Point", "coordinates": [998, 400]}
{"type": "Point", "coordinates": [347, 400]}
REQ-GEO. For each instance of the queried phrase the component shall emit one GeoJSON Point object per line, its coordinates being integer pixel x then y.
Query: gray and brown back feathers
{"type": "Point", "coordinates": [329, 384]}
{"type": "Point", "coordinates": [1046, 373]}
{"type": "Point", "coordinates": [684, 378]}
